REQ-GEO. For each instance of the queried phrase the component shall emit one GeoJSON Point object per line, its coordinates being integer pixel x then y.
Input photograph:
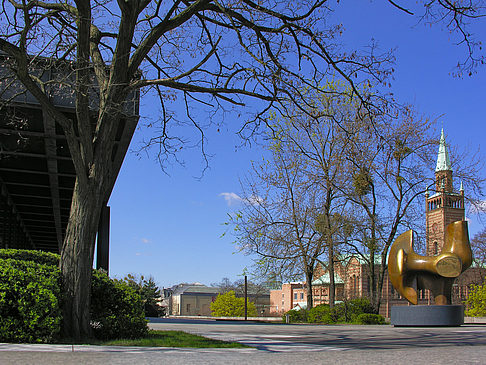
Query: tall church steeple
{"type": "Point", "coordinates": [443, 169]}
{"type": "Point", "coordinates": [443, 161]}
{"type": "Point", "coordinates": [445, 206]}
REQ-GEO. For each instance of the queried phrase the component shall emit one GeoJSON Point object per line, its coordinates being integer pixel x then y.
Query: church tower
{"type": "Point", "coordinates": [444, 206]}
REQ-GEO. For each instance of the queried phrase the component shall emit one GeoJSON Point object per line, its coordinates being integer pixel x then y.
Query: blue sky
{"type": "Point", "coordinates": [170, 225]}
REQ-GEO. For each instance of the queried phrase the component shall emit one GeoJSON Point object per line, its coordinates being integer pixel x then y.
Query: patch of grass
{"type": "Point", "coordinates": [172, 339]}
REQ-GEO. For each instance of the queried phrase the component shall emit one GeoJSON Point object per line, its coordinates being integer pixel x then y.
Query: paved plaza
{"type": "Point", "coordinates": [278, 344]}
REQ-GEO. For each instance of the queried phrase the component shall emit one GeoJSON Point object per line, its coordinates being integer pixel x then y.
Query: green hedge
{"type": "Point", "coordinates": [320, 314]}
{"type": "Point", "coordinates": [370, 318]}
{"type": "Point", "coordinates": [295, 316]}
{"type": "Point", "coordinates": [30, 309]}
{"type": "Point", "coordinates": [40, 257]}
{"type": "Point", "coordinates": [357, 311]}
{"type": "Point", "coordinates": [116, 309]}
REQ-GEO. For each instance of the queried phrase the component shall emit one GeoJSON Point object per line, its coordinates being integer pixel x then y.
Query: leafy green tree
{"type": "Point", "coordinates": [228, 305]}
{"type": "Point", "coordinates": [476, 302]}
{"type": "Point", "coordinates": [148, 291]}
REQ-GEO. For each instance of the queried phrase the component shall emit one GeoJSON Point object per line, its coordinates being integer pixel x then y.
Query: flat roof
{"type": "Point", "coordinates": [36, 171]}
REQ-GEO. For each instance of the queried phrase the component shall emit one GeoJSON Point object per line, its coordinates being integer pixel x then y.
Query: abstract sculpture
{"type": "Point", "coordinates": [410, 272]}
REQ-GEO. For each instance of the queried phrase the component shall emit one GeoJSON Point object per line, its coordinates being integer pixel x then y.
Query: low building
{"type": "Point", "coordinates": [192, 299]}
{"type": "Point", "coordinates": [290, 296]}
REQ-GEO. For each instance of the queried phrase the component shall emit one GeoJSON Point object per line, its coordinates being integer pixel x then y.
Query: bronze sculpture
{"type": "Point", "coordinates": [410, 272]}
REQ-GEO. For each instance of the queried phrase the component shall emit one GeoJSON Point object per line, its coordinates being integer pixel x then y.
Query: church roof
{"type": "Point", "coordinates": [326, 280]}
{"type": "Point", "coordinates": [443, 161]}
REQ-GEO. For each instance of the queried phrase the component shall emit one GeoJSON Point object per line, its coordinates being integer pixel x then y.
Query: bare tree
{"type": "Point", "coordinates": [460, 18]}
{"type": "Point", "coordinates": [277, 222]}
{"type": "Point", "coordinates": [389, 169]}
{"type": "Point", "coordinates": [215, 54]}
{"type": "Point", "coordinates": [478, 245]}
{"type": "Point", "coordinates": [303, 184]}
{"type": "Point", "coordinates": [321, 140]}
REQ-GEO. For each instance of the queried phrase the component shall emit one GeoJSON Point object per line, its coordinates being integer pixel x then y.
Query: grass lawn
{"type": "Point", "coordinates": [172, 339]}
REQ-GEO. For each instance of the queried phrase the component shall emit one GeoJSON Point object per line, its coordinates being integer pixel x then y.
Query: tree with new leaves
{"type": "Point", "coordinates": [476, 301]}
{"type": "Point", "coordinates": [228, 305]}
{"type": "Point", "coordinates": [298, 216]}
{"type": "Point", "coordinates": [213, 55]}
{"type": "Point", "coordinates": [276, 222]}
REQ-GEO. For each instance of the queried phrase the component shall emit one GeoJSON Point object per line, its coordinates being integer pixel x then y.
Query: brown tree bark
{"type": "Point", "coordinates": [77, 260]}
{"type": "Point", "coordinates": [309, 275]}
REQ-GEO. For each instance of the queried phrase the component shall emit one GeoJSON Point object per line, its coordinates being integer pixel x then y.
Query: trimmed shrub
{"type": "Point", "coordinates": [40, 257]}
{"type": "Point", "coordinates": [116, 309]}
{"type": "Point", "coordinates": [296, 316]}
{"type": "Point", "coordinates": [370, 318]}
{"type": "Point", "coordinates": [320, 314]}
{"type": "Point", "coordinates": [29, 301]}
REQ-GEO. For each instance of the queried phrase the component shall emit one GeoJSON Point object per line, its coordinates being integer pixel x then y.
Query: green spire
{"type": "Point", "coordinates": [443, 162]}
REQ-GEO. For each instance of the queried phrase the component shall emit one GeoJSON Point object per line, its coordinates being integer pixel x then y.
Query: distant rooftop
{"type": "Point", "coordinates": [186, 288]}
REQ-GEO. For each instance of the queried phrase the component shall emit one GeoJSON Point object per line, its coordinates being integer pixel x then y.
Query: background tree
{"type": "Point", "coordinates": [390, 170]}
{"type": "Point", "coordinates": [238, 286]}
{"type": "Point", "coordinates": [225, 285]}
{"type": "Point", "coordinates": [228, 305]}
{"type": "Point", "coordinates": [478, 245]}
{"type": "Point", "coordinates": [300, 214]}
{"type": "Point", "coordinates": [476, 301]}
{"type": "Point", "coordinates": [277, 220]}
{"type": "Point", "coordinates": [148, 291]}
{"type": "Point", "coordinates": [205, 53]}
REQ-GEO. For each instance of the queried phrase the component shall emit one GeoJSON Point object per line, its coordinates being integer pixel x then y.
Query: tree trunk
{"type": "Point", "coordinates": [309, 274]}
{"type": "Point", "coordinates": [77, 260]}
{"type": "Point", "coordinates": [332, 285]}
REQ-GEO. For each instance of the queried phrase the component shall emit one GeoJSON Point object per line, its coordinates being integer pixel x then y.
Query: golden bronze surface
{"type": "Point", "coordinates": [410, 271]}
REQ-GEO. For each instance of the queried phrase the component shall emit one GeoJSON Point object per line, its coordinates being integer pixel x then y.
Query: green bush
{"type": "Point", "coordinates": [116, 309]}
{"type": "Point", "coordinates": [476, 301]}
{"type": "Point", "coordinates": [349, 310]}
{"type": "Point", "coordinates": [29, 301]}
{"type": "Point", "coordinates": [320, 314]}
{"type": "Point", "coordinates": [40, 257]}
{"type": "Point", "coordinates": [228, 305]}
{"type": "Point", "coordinates": [370, 318]}
{"type": "Point", "coordinates": [296, 316]}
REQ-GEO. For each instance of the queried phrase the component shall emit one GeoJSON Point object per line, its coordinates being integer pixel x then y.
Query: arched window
{"type": "Point", "coordinates": [436, 248]}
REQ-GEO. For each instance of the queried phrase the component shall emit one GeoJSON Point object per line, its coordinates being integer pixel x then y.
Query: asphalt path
{"type": "Point", "coordinates": [278, 344]}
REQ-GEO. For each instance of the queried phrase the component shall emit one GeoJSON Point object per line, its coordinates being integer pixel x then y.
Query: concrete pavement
{"type": "Point", "coordinates": [279, 344]}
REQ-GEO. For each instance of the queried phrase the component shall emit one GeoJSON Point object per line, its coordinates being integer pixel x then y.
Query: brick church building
{"type": "Point", "coordinates": [442, 207]}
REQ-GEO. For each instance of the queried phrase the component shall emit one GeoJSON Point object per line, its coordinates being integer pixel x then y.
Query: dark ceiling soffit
{"type": "Point", "coordinates": [51, 152]}
{"type": "Point", "coordinates": [11, 204]}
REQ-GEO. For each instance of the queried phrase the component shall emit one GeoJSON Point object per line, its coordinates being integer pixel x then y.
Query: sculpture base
{"type": "Point", "coordinates": [427, 315]}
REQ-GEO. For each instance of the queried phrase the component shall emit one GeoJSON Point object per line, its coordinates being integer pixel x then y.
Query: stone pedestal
{"type": "Point", "coordinates": [427, 315]}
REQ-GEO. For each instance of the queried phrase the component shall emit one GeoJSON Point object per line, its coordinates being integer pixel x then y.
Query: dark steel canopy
{"type": "Point", "coordinates": [36, 171]}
